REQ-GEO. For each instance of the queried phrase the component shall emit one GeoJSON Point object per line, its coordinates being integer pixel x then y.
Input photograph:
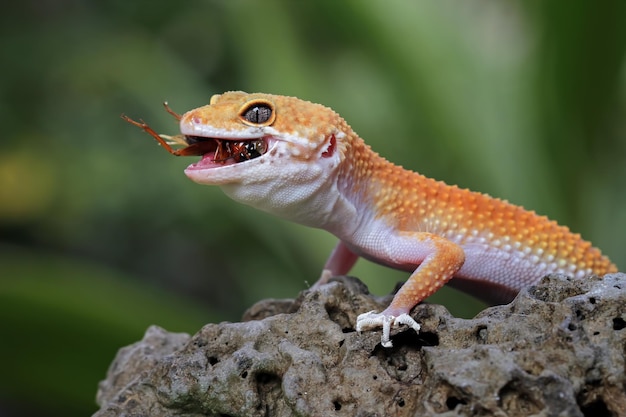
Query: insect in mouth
{"type": "Point", "coordinates": [223, 149]}
{"type": "Point", "coordinates": [240, 151]}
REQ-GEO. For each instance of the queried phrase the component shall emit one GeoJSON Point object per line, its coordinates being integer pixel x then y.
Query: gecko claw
{"type": "Point", "coordinates": [372, 320]}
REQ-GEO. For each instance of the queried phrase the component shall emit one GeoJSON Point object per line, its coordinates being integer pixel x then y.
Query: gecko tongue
{"type": "Point", "coordinates": [208, 161]}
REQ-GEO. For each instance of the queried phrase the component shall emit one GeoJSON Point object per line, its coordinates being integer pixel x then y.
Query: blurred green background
{"type": "Point", "coordinates": [102, 235]}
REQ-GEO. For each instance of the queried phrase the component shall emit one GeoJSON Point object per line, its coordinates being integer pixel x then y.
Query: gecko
{"type": "Point", "coordinates": [302, 162]}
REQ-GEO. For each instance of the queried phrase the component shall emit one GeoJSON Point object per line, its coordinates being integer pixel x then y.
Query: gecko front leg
{"type": "Point", "coordinates": [443, 259]}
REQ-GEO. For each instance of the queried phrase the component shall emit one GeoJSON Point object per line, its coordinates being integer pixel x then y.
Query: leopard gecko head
{"type": "Point", "coordinates": [268, 151]}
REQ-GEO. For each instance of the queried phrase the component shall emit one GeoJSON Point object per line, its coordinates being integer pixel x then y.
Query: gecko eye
{"type": "Point", "coordinates": [258, 113]}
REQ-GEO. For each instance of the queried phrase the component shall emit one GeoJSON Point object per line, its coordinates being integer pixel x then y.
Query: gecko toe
{"type": "Point", "coordinates": [372, 320]}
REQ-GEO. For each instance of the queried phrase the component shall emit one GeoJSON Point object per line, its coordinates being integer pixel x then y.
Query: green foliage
{"type": "Point", "coordinates": [63, 320]}
{"type": "Point", "coordinates": [101, 235]}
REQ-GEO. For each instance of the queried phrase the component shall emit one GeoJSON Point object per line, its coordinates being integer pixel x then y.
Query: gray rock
{"type": "Point", "coordinates": [557, 350]}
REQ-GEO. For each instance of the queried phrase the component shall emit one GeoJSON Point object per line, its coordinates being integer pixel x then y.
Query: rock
{"type": "Point", "coordinates": [557, 350]}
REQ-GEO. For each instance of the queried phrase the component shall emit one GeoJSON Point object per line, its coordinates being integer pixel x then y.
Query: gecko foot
{"type": "Point", "coordinates": [372, 320]}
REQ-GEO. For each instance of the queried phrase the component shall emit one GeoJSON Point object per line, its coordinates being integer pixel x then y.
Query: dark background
{"type": "Point", "coordinates": [101, 234]}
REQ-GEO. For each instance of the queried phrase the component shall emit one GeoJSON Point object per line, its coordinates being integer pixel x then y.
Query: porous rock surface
{"type": "Point", "coordinates": [557, 350]}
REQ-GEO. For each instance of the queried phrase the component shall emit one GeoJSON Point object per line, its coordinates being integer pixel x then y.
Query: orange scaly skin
{"type": "Point", "coordinates": [318, 172]}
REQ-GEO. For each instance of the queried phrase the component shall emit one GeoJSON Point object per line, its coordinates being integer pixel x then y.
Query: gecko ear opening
{"type": "Point", "coordinates": [330, 149]}
{"type": "Point", "coordinates": [258, 113]}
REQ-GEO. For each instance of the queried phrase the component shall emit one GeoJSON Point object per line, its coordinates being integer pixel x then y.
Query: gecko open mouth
{"type": "Point", "coordinates": [223, 151]}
